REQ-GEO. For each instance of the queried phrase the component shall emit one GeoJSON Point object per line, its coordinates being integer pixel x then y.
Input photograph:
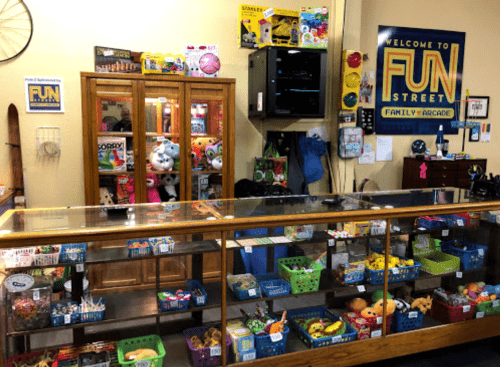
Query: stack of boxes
{"type": "Point", "coordinates": [243, 341]}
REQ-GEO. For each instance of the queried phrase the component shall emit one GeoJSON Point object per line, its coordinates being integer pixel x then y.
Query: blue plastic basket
{"type": "Point", "coordinates": [402, 321]}
{"type": "Point", "coordinates": [93, 316]}
{"type": "Point", "coordinates": [59, 320]}
{"type": "Point", "coordinates": [470, 259]}
{"type": "Point", "coordinates": [67, 256]}
{"type": "Point", "coordinates": [267, 276]}
{"type": "Point", "coordinates": [245, 294]}
{"type": "Point", "coordinates": [319, 312]}
{"type": "Point", "coordinates": [275, 288]}
{"type": "Point", "coordinates": [266, 347]}
{"type": "Point", "coordinates": [139, 251]}
{"type": "Point", "coordinates": [198, 300]}
{"type": "Point", "coordinates": [436, 222]}
{"type": "Point", "coordinates": [174, 305]}
{"type": "Point", "coordinates": [376, 277]}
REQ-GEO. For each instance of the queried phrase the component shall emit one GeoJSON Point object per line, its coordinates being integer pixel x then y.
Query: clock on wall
{"type": "Point", "coordinates": [16, 28]}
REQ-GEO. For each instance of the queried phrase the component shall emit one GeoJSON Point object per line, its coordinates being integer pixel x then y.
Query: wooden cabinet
{"type": "Point", "coordinates": [127, 116]}
{"type": "Point", "coordinates": [419, 174]}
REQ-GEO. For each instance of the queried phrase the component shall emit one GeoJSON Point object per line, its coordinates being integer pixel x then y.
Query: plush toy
{"type": "Point", "coordinates": [159, 160]}
{"type": "Point", "coordinates": [378, 307]}
{"type": "Point", "coordinates": [202, 143]}
{"type": "Point", "coordinates": [152, 183]}
{"type": "Point", "coordinates": [358, 304]}
{"type": "Point", "coordinates": [212, 151]}
{"type": "Point", "coordinates": [217, 163]}
{"type": "Point", "coordinates": [196, 155]}
{"type": "Point", "coordinates": [170, 149]}
{"type": "Point", "coordinates": [169, 187]}
{"type": "Point", "coordinates": [368, 312]}
{"type": "Point", "coordinates": [105, 196]}
{"type": "Point", "coordinates": [423, 304]}
{"type": "Point", "coordinates": [402, 305]}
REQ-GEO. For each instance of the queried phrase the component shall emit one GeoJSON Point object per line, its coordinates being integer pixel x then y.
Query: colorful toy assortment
{"type": "Point", "coordinates": [319, 328]}
{"type": "Point", "coordinates": [174, 301]}
{"type": "Point", "coordinates": [377, 262]}
{"type": "Point", "coordinates": [206, 153]}
{"type": "Point", "coordinates": [261, 323]}
{"type": "Point", "coordinates": [211, 338]}
{"type": "Point", "coordinates": [314, 27]}
{"type": "Point", "coordinates": [159, 63]}
{"type": "Point", "coordinates": [138, 248]}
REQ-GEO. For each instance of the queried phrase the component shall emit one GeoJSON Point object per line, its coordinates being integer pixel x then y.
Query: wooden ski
{"type": "Point", "coordinates": [15, 151]}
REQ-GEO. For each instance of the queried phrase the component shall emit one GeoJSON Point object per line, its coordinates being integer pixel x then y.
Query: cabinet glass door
{"type": "Point", "coordinates": [207, 116]}
{"type": "Point", "coordinates": [115, 125]}
{"type": "Point", "coordinates": [163, 142]}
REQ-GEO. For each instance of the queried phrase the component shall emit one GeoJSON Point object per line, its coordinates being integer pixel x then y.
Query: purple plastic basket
{"type": "Point", "coordinates": [202, 357]}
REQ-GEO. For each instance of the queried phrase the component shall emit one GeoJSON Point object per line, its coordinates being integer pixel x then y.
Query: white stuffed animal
{"type": "Point", "coordinates": [159, 160]}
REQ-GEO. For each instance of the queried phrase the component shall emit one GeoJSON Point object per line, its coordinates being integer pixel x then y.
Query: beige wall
{"type": "Point", "coordinates": [479, 20]}
{"type": "Point", "coordinates": [65, 33]}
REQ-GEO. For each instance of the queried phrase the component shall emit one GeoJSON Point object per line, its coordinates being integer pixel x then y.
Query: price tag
{"type": "Point", "coordinates": [480, 252]}
{"type": "Point", "coordinates": [308, 270]}
{"type": "Point", "coordinates": [276, 337]}
{"type": "Point", "coordinates": [160, 138]}
{"type": "Point", "coordinates": [200, 299]}
{"type": "Point", "coordinates": [495, 303]}
{"type": "Point", "coordinates": [174, 304]}
{"type": "Point", "coordinates": [162, 99]}
{"type": "Point", "coordinates": [379, 320]}
{"type": "Point", "coordinates": [162, 216]}
{"type": "Point", "coordinates": [80, 268]}
{"type": "Point", "coordinates": [361, 288]}
{"type": "Point", "coordinates": [163, 248]}
{"type": "Point", "coordinates": [466, 308]}
{"type": "Point", "coordinates": [268, 13]}
{"type": "Point", "coordinates": [479, 315]}
{"type": "Point", "coordinates": [248, 249]}
{"type": "Point", "coordinates": [331, 242]}
{"type": "Point", "coordinates": [361, 266]}
{"type": "Point", "coordinates": [460, 222]}
{"type": "Point", "coordinates": [484, 294]}
{"type": "Point", "coordinates": [215, 351]}
{"type": "Point", "coordinates": [459, 274]}
{"type": "Point", "coordinates": [249, 356]}
{"type": "Point", "coordinates": [67, 319]}
{"type": "Point", "coordinates": [446, 232]}
{"type": "Point", "coordinates": [395, 271]}
{"type": "Point", "coordinates": [17, 260]}
{"type": "Point", "coordinates": [252, 292]}
{"type": "Point", "coordinates": [336, 339]}
{"type": "Point", "coordinates": [36, 295]}
{"type": "Point", "coordinates": [142, 364]}
{"type": "Point", "coordinates": [412, 315]}
{"type": "Point", "coordinates": [376, 333]}
{"type": "Point", "coordinates": [108, 53]}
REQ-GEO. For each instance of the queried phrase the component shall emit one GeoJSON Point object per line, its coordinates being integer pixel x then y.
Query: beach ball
{"type": "Point", "coordinates": [209, 63]}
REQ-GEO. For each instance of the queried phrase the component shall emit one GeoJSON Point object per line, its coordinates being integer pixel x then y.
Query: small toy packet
{"type": "Point", "coordinates": [159, 63]}
{"type": "Point", "coordinates": [202, 60]}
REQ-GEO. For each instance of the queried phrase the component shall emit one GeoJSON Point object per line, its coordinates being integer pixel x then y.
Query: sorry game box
{"type": "Point", "coordinates": [111, 153]}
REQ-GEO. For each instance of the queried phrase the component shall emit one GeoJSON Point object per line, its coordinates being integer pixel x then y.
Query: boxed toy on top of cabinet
{"type": "Point", "coordinates": [314, 27]}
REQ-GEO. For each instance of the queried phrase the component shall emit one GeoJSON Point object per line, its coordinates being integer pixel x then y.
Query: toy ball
{"type": "Point", "coordinates": [358, 304]}
{"type": "Point", "coordinates": [209, 63]}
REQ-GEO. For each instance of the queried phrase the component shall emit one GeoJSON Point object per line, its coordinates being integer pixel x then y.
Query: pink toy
{"type": "Point", "coordinates": [423, 171]}
{"type": "Point", "coordinates": [152, 183]}
{"type": "Point", "coordinates": [209, 63]}
{"type": "Point", "coordinates": [131, 191]}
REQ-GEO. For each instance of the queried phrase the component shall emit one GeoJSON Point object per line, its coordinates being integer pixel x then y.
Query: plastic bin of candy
{"type": "Point", "coordinates": [198, 293]}
{"type": "Point", "coordinates": [302, 280]}
{"type": "Point", "coordinates": [93, 359]}
{"type": "Point", "coordinates": [19, 257]}
{"type": "Point", "coordinates": [162, 245]}
{"type": "Point", "coordinates": [244, 286]}
{"type": "Point", "coordinates": [432, 222]}
{"type": "Point", "coordinates": [98, 306]}
{"type": "Point", "coordinates": [62, 314]}
{"type": "Point", "coordinates": [170, 301]}
{"type": "Point", "coordinates": [47, 255]}
{"type": "Point", "coordinates": [207, 356]}
{"type": "Point", "coordinates": [138, 248]}
{"type": "Point", "coordinates": [49, 357]}
{"type": "Point", "coordinates": [73, 253]}
{"type": "Point", "coordinates": [31, 307]}
{"type": "Point", "coordinates": [471, 255]}
{"type": "Point", "coordinates": [319, 312]}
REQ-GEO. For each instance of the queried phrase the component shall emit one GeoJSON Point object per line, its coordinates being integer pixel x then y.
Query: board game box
{"type": "Point", "coordinates": [111, 153]}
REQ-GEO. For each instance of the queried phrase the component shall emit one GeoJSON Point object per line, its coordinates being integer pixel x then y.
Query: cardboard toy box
{"type": "Point", "coordinates": [313, 27]}
{"type": "Point", "coordinates": [111, 154]}
{"type": "Point", "coordinates": [241, 336]}
{"type": "Point", "coordinates": [260, 26]}
{"type": "Point", "coordinates": [358, 323]}
{"type": "Point", "coordinates": [357, 229]}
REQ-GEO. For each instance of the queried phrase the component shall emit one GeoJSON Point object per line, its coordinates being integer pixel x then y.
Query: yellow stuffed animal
{"type": "Point", "coordinates": [423, 304]}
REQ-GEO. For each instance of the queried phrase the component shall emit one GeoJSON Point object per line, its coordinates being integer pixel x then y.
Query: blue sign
{"type": "Point", "coordinates": [419, 80]}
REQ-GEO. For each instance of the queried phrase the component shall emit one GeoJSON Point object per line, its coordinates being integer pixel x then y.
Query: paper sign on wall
{"type": "Point", "coordinates": [44, 94]}
{"type": "Point", "coordinates": [384, 148]}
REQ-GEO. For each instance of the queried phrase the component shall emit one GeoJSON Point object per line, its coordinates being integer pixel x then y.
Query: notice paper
{"type": "Point", "coordinates": [367, 158]}
{"type": "Point", "coordinates": [384, 148]}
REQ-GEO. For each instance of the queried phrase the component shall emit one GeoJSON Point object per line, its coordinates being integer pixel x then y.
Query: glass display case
{"type": "Point", "coordinates": [367, 266]}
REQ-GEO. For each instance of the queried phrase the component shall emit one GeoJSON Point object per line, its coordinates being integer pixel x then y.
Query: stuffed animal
{"type": "Point", "coordinates": [196, 155]}
{"type": "Point", "coordinates": [217, 163]}
{"type": "Point", "coordinates": [378, 307]}
{"type": "Point", "coordinates": [423, 304]}
{"type": "Point", "coordinates": [152, 183]}
{"type": "Point", "coordinates": [212, 151]}
{"type": "Point", "coordinates": [358, 304]}
{"type": "Point", "coordinates": [169, 187]}
{"type": "Point", "coordinates": [131, 191]}
{"type": "Point", "coordinates": [170, 149]}
{"type": "Point", "coordinates": [159, 160]}
{"type": "Point", "coordinates": [105, 196]}
{"type": "Point", "coordinates": [202, 143]}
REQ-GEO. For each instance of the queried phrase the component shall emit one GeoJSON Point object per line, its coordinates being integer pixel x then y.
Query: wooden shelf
{"type": "Point", "coordinates": [167, 135]}
{"type": "Point", "coordinates": [163, 172]}
{"type": "Point", "coordinates": [124, 173]}
{"type": "Point", "coordinates": [112, 133]}
{"type": "Point", "coordinates": [201, 172]}
{"type": "Point", "coordinates": [219, 137]}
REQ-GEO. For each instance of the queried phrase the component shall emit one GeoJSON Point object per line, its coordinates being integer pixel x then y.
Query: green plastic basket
{"type": "Point", "coordinates": [302, 281]}
{"type": "Point", "coordinates": [447, 264]}
{"type": "Point", "coordinates": [488, 309]}
{"type": "Point", "coordinates": [144, 342]}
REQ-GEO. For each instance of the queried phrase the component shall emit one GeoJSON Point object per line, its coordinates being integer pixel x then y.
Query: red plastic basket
{"type": "Point", "coordinates": [372, 322]}
{"type": "Point", "coordinates": [27, 357]}
{"type": "Point", "coordinates": [448, 314]}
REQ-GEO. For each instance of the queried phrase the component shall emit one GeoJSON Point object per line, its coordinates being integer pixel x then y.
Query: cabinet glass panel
{"type": "Point", "coordinates": [163, 143]}
{"type": "Point", "coordinates": [115, 149]}
{"type": "Point", "coordinates": [207, 119]}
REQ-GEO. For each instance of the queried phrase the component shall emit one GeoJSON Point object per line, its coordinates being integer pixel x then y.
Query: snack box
{"type": "Point", "coordinates": [247, 356]}
{"type": "Point", "coordinates": [358, 323]}
{"type": "Point", "coordinates": [357, 229]}
{"type": "Point", "coordinates": [243, 339]}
